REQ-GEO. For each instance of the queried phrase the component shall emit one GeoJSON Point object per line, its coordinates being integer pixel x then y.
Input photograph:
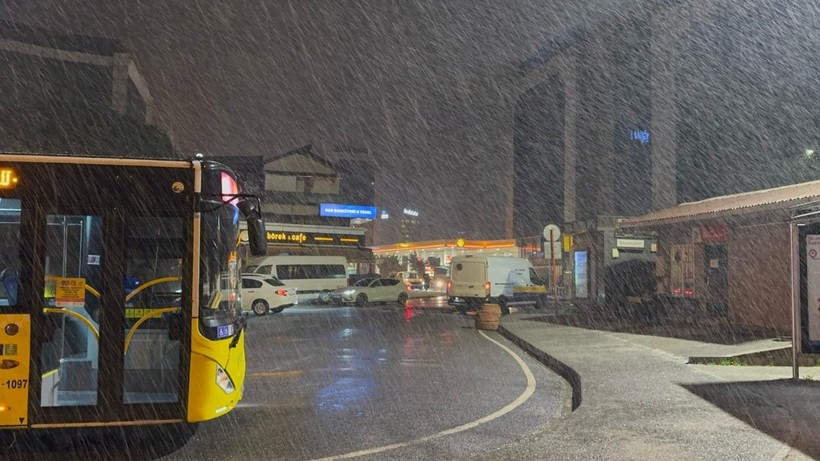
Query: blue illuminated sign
{"type": "Point", "coordinates": [581, 274]}
{"type": "Point", "coordinates": [336, 210]}
{"type": "Point", "coordinates": [641, 136]}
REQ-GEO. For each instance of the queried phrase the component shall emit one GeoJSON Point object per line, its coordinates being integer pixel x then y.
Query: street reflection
{"type": "Point", "coordinates": [415, 353]}
{"type": "Point", "coordinates": [345, 333]}
{"type": "Point", "coordinates": [343, 393]}
{"type": "Point", "coordinates": [346, 392]}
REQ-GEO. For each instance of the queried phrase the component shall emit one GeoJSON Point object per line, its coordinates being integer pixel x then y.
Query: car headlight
{"type": "Point", "coordinates": [348, 292]}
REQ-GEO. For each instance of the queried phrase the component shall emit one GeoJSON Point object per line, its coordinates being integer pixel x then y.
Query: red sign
{"type": "Point", "coordinates": [711, 233]}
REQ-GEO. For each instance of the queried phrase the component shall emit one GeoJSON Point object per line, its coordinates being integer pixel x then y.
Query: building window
{"type": "Point", "coordinates": [305, 184]}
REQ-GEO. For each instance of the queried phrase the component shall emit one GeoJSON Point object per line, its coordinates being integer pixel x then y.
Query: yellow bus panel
{"type": "Point", "coordinates": [15, 336]}
{"type": "Point", "coordinates": [217, 375]}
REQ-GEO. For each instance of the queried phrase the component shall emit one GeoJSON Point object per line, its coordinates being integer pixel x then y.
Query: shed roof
{"type": "Point", "coordinates": [790, 196]}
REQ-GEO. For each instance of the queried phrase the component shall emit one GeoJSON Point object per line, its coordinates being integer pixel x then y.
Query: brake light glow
{"type": "Point", "coordinates": [282, 292]}
{"type": "Point", "coordinates": [229, 189]}
{"type": "Point", "coordinates": [487, 287]}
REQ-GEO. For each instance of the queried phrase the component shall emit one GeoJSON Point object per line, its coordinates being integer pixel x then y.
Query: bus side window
{"type": "Point", "coordinates": [10, 285]}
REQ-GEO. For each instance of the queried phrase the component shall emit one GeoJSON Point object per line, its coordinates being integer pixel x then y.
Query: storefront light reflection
{"type": "Point", "coordinates": [343, 393]}
{"type": "Point", "coordinates": [345, 333]}
{"type": "Point", "coordinates": [348, 391]}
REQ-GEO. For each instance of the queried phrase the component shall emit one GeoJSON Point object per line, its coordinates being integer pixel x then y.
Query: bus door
{"type": "Point", "coordinates": [107, 336]}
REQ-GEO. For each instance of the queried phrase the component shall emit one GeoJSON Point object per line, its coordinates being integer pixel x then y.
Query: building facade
{"type": "Point", "coordinates": [673, 103]}
{"type": "Point", "coordinates": [293, 186]}
{"type": "Point", "coordinates": [41, 68]}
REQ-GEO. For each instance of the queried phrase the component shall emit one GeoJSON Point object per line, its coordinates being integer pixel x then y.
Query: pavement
{"type": "Point", "coordinates": [642, 396]}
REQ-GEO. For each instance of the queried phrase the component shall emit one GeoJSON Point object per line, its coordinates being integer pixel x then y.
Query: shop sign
{"type": "Point", "coordinates": [313, 238]}
{"type": "Point", "coordinates": [347, 211]}
{"type": "Point", "coordinates": [286, 237]}
{"type": "Point", "coordinates": [630, 243]}
{"type": "Point", "coordinates": [713, 233]}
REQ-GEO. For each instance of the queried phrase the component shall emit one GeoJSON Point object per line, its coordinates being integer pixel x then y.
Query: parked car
{"type": "Point", "coordinates": [263, 293]}
{"type": "Point", "coordinates": [371, 290]}
{"type": "Point", "coordinates": [410, 278]}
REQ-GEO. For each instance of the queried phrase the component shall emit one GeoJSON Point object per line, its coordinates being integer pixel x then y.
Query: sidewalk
{"type": "Point", "coordinates": [635, 397]}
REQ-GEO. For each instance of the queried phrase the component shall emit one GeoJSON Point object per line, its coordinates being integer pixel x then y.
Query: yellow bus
{"type": "Point", "coordinates": [119, 290]}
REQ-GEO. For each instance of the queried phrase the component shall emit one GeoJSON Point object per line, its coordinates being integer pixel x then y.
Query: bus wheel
{"type": "Point", "coordinates": [361, 300]}
{"type": "Point", "coordinates": [502, 303]}
{"type": "Point", "coordinates": [402, 298]}
{"type": "Point", "coordinates": [260, 307]}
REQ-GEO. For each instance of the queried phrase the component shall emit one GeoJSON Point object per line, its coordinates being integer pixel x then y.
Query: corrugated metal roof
{"type": "Point", "coordinates": [726, 205]}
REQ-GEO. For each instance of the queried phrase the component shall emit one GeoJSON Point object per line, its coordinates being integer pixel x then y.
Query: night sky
{"type": "Point", "coordinates": [426, 87]}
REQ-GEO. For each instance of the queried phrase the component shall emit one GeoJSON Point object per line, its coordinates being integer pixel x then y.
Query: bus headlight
{"type": "Point", "coordinates": [224, 381]}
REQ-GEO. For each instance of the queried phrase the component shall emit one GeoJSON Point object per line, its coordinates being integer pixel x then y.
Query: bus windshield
{"type": "Point", "coordinates": [219, 265]}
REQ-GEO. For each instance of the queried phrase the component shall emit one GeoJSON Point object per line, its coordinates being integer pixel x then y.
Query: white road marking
{"type": "Point", "coordinates": [528, 392]}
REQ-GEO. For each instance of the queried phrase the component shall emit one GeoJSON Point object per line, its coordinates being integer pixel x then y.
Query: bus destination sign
{"type": "Point", "coordinates": [8, 178]}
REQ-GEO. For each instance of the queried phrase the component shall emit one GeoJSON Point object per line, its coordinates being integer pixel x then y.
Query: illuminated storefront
{"type": "Point", "coordinates": [444, 250]}
{"type": "Point", "coordinates": [309, 240]}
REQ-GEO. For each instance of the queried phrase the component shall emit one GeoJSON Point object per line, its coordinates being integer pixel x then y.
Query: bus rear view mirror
{"type": "Point", "coordinates": [256, 227]}
{"type": "Point", "coordinates": [256, 237]}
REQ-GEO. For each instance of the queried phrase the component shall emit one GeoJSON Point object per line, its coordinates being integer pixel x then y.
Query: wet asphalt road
{"type": "Point", "coordinates": [326, 382]}
{"type": "Point", "coordinates": [380, 382]}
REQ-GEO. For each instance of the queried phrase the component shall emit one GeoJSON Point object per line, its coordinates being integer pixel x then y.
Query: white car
{"type": "Point", "coordinates": [371, 290]}
{"type": "Point", "coordinates": [262, 293]}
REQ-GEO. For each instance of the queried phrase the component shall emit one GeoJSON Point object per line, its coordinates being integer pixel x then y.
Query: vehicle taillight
{"type": "Point", "coordinates": [282, 292]}
{"type": "Point", "coordinates": [688, 292]}
{"type": "Point", "coordinates": [407, 288]}
{"type": "Point", "coordinates": [487, 288]}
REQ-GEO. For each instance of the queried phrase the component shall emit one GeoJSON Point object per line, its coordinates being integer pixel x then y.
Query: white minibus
{"type": "Point", "coordinates": [312, 276]}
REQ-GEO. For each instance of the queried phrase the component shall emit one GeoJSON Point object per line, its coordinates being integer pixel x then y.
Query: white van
{"type": "Point", "coordinates": [504, 280]}
{"type": "Point", "coordinates": [312, 276]}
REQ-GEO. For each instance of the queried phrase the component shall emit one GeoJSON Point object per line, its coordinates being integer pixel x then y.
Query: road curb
{"type": "Point", "coordinates": [560, 368]}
